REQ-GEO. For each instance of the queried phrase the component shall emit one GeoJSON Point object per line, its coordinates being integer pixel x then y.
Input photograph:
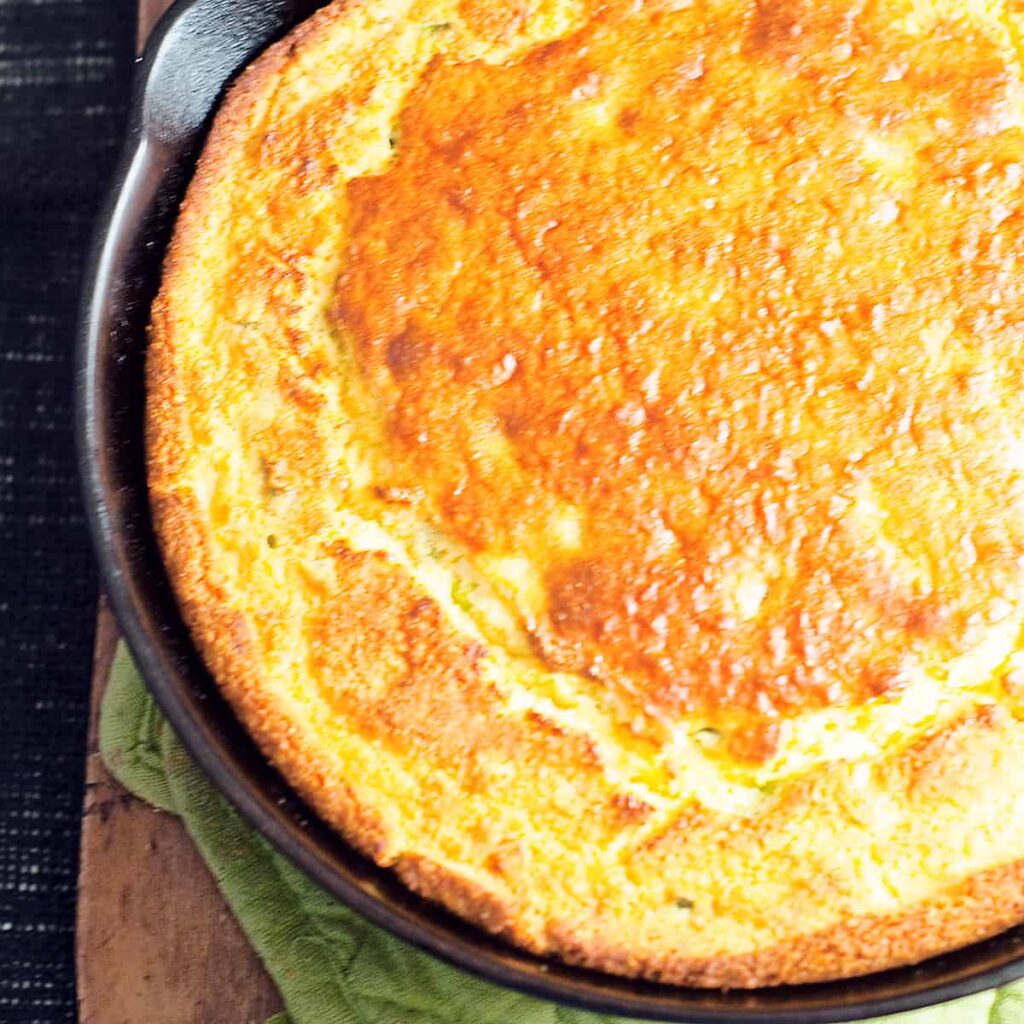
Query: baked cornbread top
{"type": "Point", "coordinates": [585, 441]}
{"type": "Point", "coordinates": [685, 325]}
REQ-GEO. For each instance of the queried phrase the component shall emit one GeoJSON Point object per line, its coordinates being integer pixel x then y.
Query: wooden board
{"type": "Point", "coordinates": [155, 942]}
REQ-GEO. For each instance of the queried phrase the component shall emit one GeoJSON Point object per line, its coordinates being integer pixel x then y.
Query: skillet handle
{"type": "Point", "coordinates": [195, 51]}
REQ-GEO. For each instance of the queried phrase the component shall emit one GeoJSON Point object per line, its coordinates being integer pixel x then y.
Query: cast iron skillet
{"type": "Point", "coordinates": [197, 49]}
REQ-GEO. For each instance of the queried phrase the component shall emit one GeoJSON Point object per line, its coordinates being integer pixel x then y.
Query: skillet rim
{"type": "Point", "coordinates": [170, 110]}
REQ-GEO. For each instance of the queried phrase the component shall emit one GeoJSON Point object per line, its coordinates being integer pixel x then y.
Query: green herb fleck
{"type": "Point", "coordinates": [437, 26]}
{"type": "Point", "coordinates": [462, 594]}
{"type": "Point", "coordinates": [272, 541]}
{"type": "Point", "coordinates": [683, 903]}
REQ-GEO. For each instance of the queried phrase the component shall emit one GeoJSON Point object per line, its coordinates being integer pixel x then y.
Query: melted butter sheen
{"type": "Point", "coordinates": [701, 331]}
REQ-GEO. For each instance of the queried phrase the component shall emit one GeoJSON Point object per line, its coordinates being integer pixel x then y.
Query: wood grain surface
{"type": "Point", "coordinates": [155, 942]}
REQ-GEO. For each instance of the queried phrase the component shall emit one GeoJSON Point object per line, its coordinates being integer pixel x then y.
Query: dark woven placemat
{"type": "Point", "coordinates": [64, 70]}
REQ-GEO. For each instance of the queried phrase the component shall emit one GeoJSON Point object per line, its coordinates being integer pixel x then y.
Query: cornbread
{"type": "Point", "coordinates": [585, 442]}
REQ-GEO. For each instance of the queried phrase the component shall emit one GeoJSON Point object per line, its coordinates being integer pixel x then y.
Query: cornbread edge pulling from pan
{"type": "Point", "coordinates": [581, 439]}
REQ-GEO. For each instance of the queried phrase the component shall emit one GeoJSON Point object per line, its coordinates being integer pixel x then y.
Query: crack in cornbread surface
{"type": "Point", "coordinates": [584, 439]}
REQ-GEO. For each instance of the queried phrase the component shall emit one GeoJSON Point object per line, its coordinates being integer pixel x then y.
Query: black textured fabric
{"type": "Point", "coordinates": [64, 72]}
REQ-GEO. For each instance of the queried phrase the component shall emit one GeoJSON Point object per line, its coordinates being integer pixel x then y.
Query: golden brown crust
{"type": "Point", "coordinates": [727, 552]}
{"type": "Point", "coordinates": [983, 906]}
{"type": "Point", "coordinates": [416, 719]}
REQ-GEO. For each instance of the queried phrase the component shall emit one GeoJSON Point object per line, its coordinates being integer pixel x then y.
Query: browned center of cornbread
{"type": "Point", "coordinates": [710, 322]}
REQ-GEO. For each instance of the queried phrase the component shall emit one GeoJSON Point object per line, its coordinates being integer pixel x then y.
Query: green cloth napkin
{"type": "Point", "coordinates": [331, 966]}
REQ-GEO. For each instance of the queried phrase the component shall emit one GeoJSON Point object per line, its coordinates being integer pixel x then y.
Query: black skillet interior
{"type": "Point", "coordinates": [198, 48]}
